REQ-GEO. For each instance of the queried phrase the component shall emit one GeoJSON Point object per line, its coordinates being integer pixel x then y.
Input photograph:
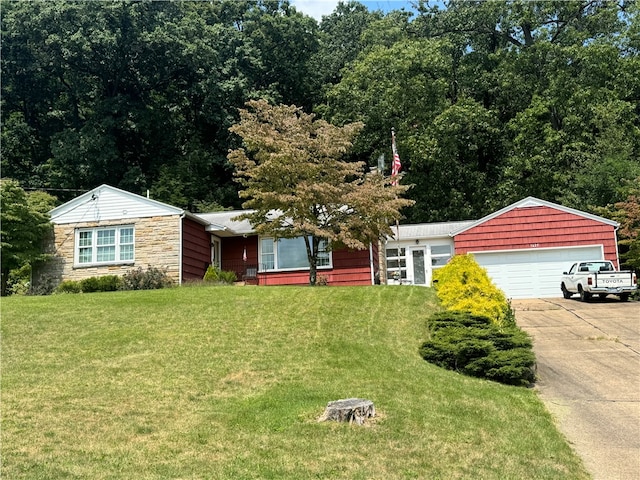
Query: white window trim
{"type": "Point", "coordinates": [275, 259]}
{"type": "Point", "coordinates": [94, 247]}
{"type": "Point", "coordinates": [440, 255]}
{"type": "Point", "coordinates": [398, 273]}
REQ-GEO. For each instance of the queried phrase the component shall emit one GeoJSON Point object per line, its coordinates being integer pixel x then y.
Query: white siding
{"type": "Point", "coordinates": [411, 269]}
{"type": "Point", "coordinates": [107, 203]}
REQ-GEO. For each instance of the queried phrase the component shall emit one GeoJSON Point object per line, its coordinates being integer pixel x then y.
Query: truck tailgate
{"type": "Point", "coordinates": [613, 280]}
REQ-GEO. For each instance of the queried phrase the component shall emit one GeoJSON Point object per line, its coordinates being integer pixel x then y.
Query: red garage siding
{"type": "Point", "coordinates": [537, 227]}
{"type": "Point", "coordinates": [196, 250]}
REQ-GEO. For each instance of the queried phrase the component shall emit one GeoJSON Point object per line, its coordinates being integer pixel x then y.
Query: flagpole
{"type": "Point", "coordinates": [395, 170]}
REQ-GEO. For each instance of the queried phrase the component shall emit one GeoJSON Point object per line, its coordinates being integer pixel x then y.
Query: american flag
{"type": "Point", "coordinates": [395, 167]}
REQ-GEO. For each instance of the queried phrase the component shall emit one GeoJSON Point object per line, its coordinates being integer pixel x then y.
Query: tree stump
{"type": "Point", "coordinates": [349, 410]}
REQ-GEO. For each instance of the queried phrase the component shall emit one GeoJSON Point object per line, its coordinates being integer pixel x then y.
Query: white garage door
{"type": "Point", "coordinates": [533, 273]}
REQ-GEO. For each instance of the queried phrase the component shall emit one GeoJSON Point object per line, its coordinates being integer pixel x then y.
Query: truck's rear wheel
{"type": "Point", "coordinates": [624, 297]}
{"type": "Point", "coordinates": [565, 293]}
{"type": "Point", "coordinates": [584, 296]}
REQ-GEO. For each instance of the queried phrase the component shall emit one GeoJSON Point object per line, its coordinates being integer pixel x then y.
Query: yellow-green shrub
{"type": "Point", "coordinates": [463, 285]}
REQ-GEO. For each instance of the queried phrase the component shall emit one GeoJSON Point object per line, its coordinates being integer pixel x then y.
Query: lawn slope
{"type": "Point", "coordinates": [228, 383]}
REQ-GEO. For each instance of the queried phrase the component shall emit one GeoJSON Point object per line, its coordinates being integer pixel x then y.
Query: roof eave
{"type": "Point", "coordinates": [531, 202]}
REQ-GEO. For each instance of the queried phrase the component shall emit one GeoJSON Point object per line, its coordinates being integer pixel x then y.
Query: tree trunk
{"type": "Point", "coordinates": [312, 255]}
{"type": "Point", "coordinates": [313, 274]}
{"type": "Point", "coordinates": [349, 410]}
{"type": "Point", "coordinates": [4, 278]}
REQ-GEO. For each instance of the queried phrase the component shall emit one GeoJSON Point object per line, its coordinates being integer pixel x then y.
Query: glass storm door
{"type": "Point", "coordinates": [419, 270]}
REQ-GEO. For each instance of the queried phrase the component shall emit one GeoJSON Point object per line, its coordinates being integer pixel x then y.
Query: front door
{"type": "Point", "coordinates": [215, 252]}
{"type": "Point", "coordinates": [419, 265]}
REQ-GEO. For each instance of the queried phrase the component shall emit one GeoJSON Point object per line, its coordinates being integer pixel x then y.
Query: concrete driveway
{"type": "Point", "coordinates": [588, 358]}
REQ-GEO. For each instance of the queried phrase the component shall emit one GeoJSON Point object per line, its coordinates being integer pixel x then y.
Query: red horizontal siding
{"type": "Point", "coordinates": [335, 277]}
{"type": "Point", "coordinates": [350, 267]}
{"type": "Point", "coordinates": [537, 227]}
{"type": "Point", "coordinates": [196, 250]}
{"type": "Point", "coordinates": [233, 250]}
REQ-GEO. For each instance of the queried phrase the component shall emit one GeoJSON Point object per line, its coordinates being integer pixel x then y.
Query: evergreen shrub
{"type": "Point", "coordinates": [211, 275]}
{"type": "Point", "coordinates": [463, 285]}
{"type": "Point", "coordinates": [476, 346]}
{"type": "Point", "coordinates": [105, 283]}
{"type": "Point", "coordinates": [69, 286]}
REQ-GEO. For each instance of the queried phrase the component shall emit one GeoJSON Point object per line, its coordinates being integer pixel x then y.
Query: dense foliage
{"type": "Point", "coordinates": [491, 101]}
{"type": "Point", "coordinates": [293, 163]}
{"type": "Point", "coordinates": [475, 346]}
{"type": "Point", "coordinates": [476, 334]}
{"type": "Point", "coordinates": [216, 276]}
{"type": "Point", "coordinates": [139, 279]}
{"type": "Point", "coordinates": [25, 225]}
{"type": "Point", "coordinates": [150, 279]}
{"type": "Point", "coordinates": [464, 286]}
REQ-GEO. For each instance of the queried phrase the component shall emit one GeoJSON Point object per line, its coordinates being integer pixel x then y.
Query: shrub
{"type": "Point", "coordinates": [475, 346]}
{"type": "Point", "coordinates": [109, 283]}
{"type": "Point", "coordinates": [463, 285]}
{"type": "Point", "coordinates": [45, 285]}
{"type": "Point", "coordinates": [211, 275]}
{"type": "Point", "coordinates": [150, 279]}
{"type": "Point", "coordinates": [227, 277]}
{"type": "Point", "coordinates": [68, 286]}
{"type": "Point", "coordinates": [89, 285]}
{"type": "Point", "coordinates": [215, 275]}
{"type": "Point", "coordinates": [106, 283]}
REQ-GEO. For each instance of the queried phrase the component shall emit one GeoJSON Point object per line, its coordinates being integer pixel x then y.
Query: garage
{"type": "Point", "coordinates": [526, 246]}
{"type": "Point", "coordinates": [533, 273]}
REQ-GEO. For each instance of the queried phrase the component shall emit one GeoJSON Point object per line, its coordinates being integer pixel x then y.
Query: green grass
{"type": "Point", "coordinates": [228, 383]}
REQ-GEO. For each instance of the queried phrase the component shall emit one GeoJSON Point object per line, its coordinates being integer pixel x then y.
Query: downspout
{"type": "Point", "coordinates": [180, 259]}
{"type": "Point", "coordinates": [615, 238]}
{"type": "Point", "coordinates": [373, 278]}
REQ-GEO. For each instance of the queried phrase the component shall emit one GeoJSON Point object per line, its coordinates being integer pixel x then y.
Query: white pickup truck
{"type": "Point", "coordinates": [597, 277]}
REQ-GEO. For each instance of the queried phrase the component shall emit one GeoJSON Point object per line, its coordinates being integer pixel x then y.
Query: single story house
{"type": "Point", "coordinates": [525, 246]}
{"type": "Point", "coordinates": [108, 231]}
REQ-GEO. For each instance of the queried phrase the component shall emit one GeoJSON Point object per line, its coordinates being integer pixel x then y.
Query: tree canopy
{"type": "Point", "coordinates": [491, 101]}
{"type": "Point", "coordinates": [297, 183]}
{"type": "Point", "coordinates": [25, 223]}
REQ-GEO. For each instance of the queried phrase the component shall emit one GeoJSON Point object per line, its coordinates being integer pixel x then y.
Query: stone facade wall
{"type": "Point", "coordinates": [382, 262]}
{"type": "Point", "coordinates": [157, 244]}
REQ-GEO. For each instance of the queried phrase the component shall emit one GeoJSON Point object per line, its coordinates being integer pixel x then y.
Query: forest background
{"type": "Point", "coordinates": [491, 101]}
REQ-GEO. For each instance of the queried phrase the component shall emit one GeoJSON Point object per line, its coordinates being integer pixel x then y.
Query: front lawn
{"type": "Point", "coordinates": [228, 383]}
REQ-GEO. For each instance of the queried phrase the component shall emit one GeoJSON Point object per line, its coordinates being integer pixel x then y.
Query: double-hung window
{"type": "Point", "coordinates": [290, 254]}
{"type": "Point", "coordinates": [104, 245]}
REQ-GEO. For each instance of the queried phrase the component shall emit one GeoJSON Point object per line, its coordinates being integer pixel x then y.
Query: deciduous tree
{"type": "Point", "coordinates": [25, 224]}
{"type": "Point", "coordinates": [298, 185]}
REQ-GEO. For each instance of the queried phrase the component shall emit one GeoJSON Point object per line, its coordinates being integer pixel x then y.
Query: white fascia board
{"type": "Point", "coordinates": [536, 202]}
{"type": "Point", "coordinates": [94, 195]}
